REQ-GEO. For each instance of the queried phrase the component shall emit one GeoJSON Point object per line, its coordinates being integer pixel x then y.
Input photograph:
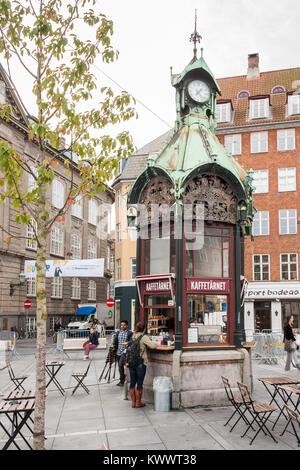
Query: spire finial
{"type": "Point", "coordinates": [195, 37]}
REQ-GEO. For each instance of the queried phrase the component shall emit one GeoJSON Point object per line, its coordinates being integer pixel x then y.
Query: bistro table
{"type": "Point", "coordinates": [276, 382]}
{"type": "Point", "coordinates": [18, 412]}
{"type": "Point", "coordinates": [286, 392]}
{"type": "Point", "coordinates": [52, 369]}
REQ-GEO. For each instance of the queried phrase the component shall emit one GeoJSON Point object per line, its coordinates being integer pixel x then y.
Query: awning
{"type": "Point", "coordinates": [86, 310]}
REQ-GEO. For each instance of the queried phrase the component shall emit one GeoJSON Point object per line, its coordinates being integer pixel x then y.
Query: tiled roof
{"type": "Point", "coordinates": [231, 86]}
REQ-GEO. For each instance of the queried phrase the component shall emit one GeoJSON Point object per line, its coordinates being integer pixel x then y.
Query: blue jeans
{"type": "Point", "coordinates": [137, 376]}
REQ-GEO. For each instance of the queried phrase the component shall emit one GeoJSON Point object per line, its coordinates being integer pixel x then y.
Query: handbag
{"type": "Point", "coordinates": [288, 345]}
{"type": "Point", "coordinates": [85, 343]}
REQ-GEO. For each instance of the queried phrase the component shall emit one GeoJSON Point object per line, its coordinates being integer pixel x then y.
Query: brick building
{"type": "Point", "coordinates": [258, 116]}
{"type": "Point", "coordinates": [75, 238]}
{"type": "Point", "coordinates": [259, 122]}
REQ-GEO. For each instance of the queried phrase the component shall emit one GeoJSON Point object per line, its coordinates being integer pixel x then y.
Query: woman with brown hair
{"type": "Point", "coordinates": [289, 337]}
{"type": "Point", "coordinates": [137, 374]}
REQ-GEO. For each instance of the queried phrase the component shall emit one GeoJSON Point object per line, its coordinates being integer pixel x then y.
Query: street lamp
{"type": "Point", "coordinates": [22, 278]}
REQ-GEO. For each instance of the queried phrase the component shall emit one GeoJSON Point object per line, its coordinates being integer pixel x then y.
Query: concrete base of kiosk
{"type": "Point", "coordinates": [196, 375]}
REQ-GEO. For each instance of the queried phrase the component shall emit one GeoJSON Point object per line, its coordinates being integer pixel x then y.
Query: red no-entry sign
{"type": "Point", "coordinates": [27, 303]}
{"type": "Point", "coordinates": [110, 302]}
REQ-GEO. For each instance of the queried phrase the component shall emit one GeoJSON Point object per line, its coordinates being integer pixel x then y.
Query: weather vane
{"type": "Point", "coordinates": [195, 37]}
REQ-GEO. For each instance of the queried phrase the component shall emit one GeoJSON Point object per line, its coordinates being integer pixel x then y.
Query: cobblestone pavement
{"type": "Point", "coordinates": [86, 422]}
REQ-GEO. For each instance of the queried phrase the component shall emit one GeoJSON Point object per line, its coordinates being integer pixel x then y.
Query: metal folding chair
{"type": "Point", "coordinates": [294, 418]}
{"type": "Point", "coordinates": [237, 403]}
{"type": "Point", "coordinates": [80, 376]}
{"type": "Point", "coordinates": [17, 380]}
{"type": "Point", "coordinates": [260, 413]}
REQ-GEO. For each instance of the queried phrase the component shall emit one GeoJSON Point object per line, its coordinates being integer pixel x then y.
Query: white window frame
{"type": "Point", "coordinates": [93, 212]}
{"type": "Point", "coordinates": [31, 287]}
{"type": "Point", "coordinates": [259, 142]}
{"type": "Point", "coordinates": [261, 264]}
{"type": "Point", "coordinates": [293, 104]}
{"type": "Point", "coordinates": [57, 241]}
{"type": "Point", "coordinates": [77, 208]}
{"type": "Point", "coordinates": [259, 108]}
{"type": "Point", "coordinates": [286, 179]}
{"type": "Point", "coordinates": [92, 290]}
{"type": "Point", "coordinates": [31, 242]}
{"type": "Point", "coordinates": [57, 288]}
{"type": "Point", "coordinates": [132, 264]}
{"type": "Point", "coordinates": [30, 324]}
{"type": "Point", "coordinates": [224, 112]}
{"type": "Point", "coordinates": [118, 230]}
{"type": "Point", "coordinates": [233, 143]}
{"type": "Point", "coordinates": [285, 140]}
{"type": "Point", "coordinates": [2, 92]}
{"type": "Point", "coordinates": [76, 288]}
{"type": "Point", "coordinates": [289, 217]}
{"type": "Point", "coordinates": [260, 217]}
{"type": "Point", "coordinates": [32, 184]}
{"type": "Point", "coordinates": [118, 270]}
{"type": "Point", "coordinates": [58, 193]}
{"type": "Point", "coordinates": [261, 181]}
{"type": "Point", "coordinates": [92, 248]}
{"type": "Point", "coordinates": [76, 246]}
{"type": "Point", "coordinates": [289, 262]}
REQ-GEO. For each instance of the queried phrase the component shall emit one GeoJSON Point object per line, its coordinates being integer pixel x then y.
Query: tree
{"type": "Point", "coordinates": [47, 39]}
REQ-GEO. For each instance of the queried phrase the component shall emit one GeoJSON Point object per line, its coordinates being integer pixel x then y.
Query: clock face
{"type": "Point", "coordinates": [199, 91]}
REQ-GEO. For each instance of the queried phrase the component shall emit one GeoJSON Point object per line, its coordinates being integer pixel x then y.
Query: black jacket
{"type": "Point", "coordinates": [288, 333]}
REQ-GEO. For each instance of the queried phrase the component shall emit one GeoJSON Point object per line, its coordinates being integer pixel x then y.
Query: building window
{"type": "Point", "coordinates": [277, 90]}
{"type": "Point", "coordinates": [118, 269]}
{"type": "Point", "coordinates": [77, 208]}
{"type": "Point", "coordinates": [243, 94]}
{"type": "Point", "coordinates": [118, 232]}
{"type": "Point", "coordinates": [133, 268]}
{"type": "Point", "coordinates": [32, 184]}
{"type": "Point", "coordinates": [261, 223]}
{"type": "Point", "coordinates": [259, 142]}
{"type": "Point", "coordinates": [289, 266]}
{"type": "Point", "coordinates": [120, 166]}
{"type": "Point", "coordinates": [111, 289]}
{"type": "Point", "coordinates": [93, 212]}
{"type": "Point", "coordinates": [261, 267]}
{"type": "Point", "coordinates": [286, 179]}
{"type": "Point", "coordinates": [31, 287]}
{"type": "Point", "coordinates": [224, 112]}
{"type": "Point", "coordinates": [76, 246]}
{"type": "Point", "coordinates": [293, 104]}
{"type": "Point", "coordinates": [2, 92]}
{"type": "Point", "coordinates": [30, 324]}
{"type": "Point", "coordinates": [56, 246]}
{"type": "Point", "coordinates": [259, 108]}
{"type": "Point", "coordinates": [233, 144]}
{"type": "Point", "coordinates": [58, 194]}
{"type": "Point", "coordinates": [286, 139]}
{"type": "Point", "coordinates": [57, 287]}
{"type": "Point", "coordinates": [112, 262]}
{"type": "Point", "coordinates": [288, 222]}
{"type": "Point", "coordinates": [31, 238]}
{"type": "Point", "coordinates": [261, 181]}
{"type": "Point", "coordinates": [119, 198]}
{"type": "Point", "coordinates": [76, 288]}
{"type": "Point", "coordinates": [92, 290]}
{"type": "Point", "coordinates": [92, 249]}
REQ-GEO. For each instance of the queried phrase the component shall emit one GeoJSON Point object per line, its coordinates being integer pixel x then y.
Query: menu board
{"type": "Point", "coordinates": [192, 335]}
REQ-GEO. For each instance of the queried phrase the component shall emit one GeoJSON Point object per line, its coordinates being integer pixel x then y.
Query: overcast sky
{"type": "Point", "coordinates": [153, 35]}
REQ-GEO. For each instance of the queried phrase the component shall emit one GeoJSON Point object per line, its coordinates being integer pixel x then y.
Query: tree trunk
{"type": "Point", "coordinates": [41, 315]}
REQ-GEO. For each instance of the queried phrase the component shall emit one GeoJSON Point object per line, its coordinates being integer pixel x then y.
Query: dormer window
{"type": "Point", "coordinates": [224, 112]}
{"type": "Point", "coordinates": [277, 90]}
{"type": "Point", "coordinates": [2, 92]}
{"type": "Point", "coordinates": [243, 94]}
{"type": "Point", "coordinates": [259, 108]}
{"type": "Point", "coordinates": [294, 104]}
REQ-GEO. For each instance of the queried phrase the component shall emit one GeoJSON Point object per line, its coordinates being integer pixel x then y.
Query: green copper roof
{"type": "Point", "coordinates": [198, 64]}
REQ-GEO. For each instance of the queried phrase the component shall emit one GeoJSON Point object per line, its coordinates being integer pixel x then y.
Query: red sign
{"type": "Point", "coordinates": [208, 285]}
{"type": "Point", "coordinates": [27, 303]}
{"type": "Point", "coordinates": [110, 302]}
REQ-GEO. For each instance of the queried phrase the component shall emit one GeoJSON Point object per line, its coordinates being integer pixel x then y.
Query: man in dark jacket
{"type": "Point", "coordinates": [122, 336]}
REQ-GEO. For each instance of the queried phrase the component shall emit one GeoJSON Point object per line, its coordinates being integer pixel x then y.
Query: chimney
{"type": "Point", "coordinates": [253, 66]}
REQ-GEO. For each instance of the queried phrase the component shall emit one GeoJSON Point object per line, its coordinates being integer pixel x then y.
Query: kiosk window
{"type": "Point", "coordinates": [207, 318]}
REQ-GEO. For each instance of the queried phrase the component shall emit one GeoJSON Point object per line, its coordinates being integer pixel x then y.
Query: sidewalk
{"type": "Point", "coordinates": [86, 422]}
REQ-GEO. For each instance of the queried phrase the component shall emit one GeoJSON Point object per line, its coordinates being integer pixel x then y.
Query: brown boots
{"type": "Point", "coordinates": [133, 397]}
{"type": "Point", "coordinates": [139, 394]}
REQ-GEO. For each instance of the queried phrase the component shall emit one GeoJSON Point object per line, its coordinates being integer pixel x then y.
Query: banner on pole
{"type": "Point", "coordinates": [68, 268]}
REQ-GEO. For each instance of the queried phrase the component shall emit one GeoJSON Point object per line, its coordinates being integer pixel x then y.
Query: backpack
{"type": "Point", "coordinates": [133, 357]}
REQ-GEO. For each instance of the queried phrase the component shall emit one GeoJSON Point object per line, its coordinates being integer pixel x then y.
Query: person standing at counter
{"type": "Point", "coordinates": [137, 373]}
{"type": "Point", "coordinates": [289, 337]}
{"type": "Point", "coordinates": [121, 338]}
